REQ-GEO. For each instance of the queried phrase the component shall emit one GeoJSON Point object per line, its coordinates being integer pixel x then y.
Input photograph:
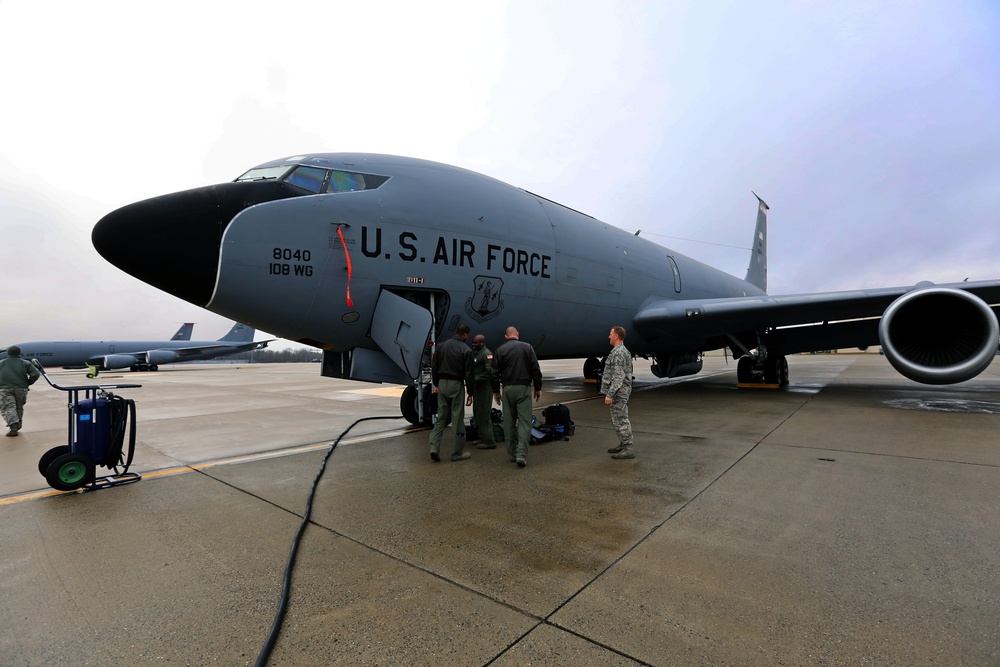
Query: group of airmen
{"type": "Point", "coordinates": [511, 377]}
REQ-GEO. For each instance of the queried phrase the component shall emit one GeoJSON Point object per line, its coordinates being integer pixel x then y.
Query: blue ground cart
{"type": "Point", "coordinates": [98, 421]}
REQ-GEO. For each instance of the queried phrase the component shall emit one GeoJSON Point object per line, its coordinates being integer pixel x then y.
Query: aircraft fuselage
{"type": "Point", "coordinates": [470, 248]}
{"type": "Point", "coordinates": [372, 257]}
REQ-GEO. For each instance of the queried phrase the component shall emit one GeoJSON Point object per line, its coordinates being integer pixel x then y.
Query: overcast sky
{"type": "Point", "coordinates": [872, 129]}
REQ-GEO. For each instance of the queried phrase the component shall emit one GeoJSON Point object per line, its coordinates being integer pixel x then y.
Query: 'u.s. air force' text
{"type": "Point", "coordinates": [459, 252]}
{"type": "Point", "coordinates": [446, 252]}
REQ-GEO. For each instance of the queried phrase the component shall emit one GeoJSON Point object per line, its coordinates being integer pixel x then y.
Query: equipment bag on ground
{"type": "Point", "coordinates": [557, 419]}
{"type": "Point", "coordinates": [496, 418]}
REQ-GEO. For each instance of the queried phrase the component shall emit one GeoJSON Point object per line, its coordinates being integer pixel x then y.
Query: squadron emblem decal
{"type": "Point", "coordinates": [485, 302]}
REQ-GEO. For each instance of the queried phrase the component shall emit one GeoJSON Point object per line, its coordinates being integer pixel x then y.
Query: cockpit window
{"type": "Point", "coordinates": [263, 173]}
{"type": "Point", "coordinates": [316, 179]}
{"type": "Point", "coordinates": [307, 178]}
{"type": "Point", "coordinates": [346, 181]}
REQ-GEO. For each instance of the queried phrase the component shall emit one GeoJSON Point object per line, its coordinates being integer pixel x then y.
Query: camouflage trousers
{"type": "Point", "coordinates": [619, 418]}
{"type": "Point", "coordinates": [12, 405]}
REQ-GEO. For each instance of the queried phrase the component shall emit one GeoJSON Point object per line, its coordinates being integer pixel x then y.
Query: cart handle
{"type": "Point", "coordinates": [45, 375]}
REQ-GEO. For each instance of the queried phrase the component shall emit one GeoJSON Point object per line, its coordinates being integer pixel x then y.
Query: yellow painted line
{"type": "Point", "coordinates": [180, 470]}
{"type": "Point", "coordinates": [10, 500]}
{"type": "Point", "coordinates": [379, 391]}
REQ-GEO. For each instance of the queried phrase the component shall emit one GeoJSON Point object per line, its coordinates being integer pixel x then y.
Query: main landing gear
{"type": "Point", "coordinates": [143, 367]}
{"type": "Point", "coordinates": [772, 370]}
{"type": "Point", "coordinates": [94, 371]}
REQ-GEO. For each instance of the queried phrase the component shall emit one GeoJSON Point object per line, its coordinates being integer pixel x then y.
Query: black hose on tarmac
{"type": "Point", "coordinates": [119, 411]}
{"type": "Point", "coordinates": [265, 651]}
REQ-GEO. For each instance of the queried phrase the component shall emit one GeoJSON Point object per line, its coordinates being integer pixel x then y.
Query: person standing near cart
{"type": "Point", "coordinates": [16, 375]}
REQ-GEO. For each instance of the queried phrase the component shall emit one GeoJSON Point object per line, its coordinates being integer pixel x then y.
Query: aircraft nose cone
{"type": "Point", "coordinates": [172, 242]}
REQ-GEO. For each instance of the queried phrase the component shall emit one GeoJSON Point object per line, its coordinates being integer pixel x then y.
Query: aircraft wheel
{"type": "Point", "coordinates": [50, 456]}
{"type": "Point", "coordinates": [408, 405]}
{"type": "Point", "coordinates": [592, 368]}
{"type": "Point", "coordinates": [776, 371]}
{"type": "Point", "coordinates": [744, 370]}
{"type": "Point", "coordinates": [771, 370]}
{"type": "Point", "coordinates": [70, 471]}
{"type": "Point", "coordinates": [154, 367]}
{"type": "Point", "coordinates": [134, 367]}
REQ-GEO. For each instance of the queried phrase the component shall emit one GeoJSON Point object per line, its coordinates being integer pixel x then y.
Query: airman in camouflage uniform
{"type": "Point", "coordinates": [15, 376]}
{"type": "Point", "coordinates": [616, 385]}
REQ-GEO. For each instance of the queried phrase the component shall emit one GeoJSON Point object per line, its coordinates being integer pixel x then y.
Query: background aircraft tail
{"type": "Point", "coordinates": [757, 271]}
{"type": "Point", "coordinates": [184, 333]}
{"type": "Point", "coordinates": [240, 333]}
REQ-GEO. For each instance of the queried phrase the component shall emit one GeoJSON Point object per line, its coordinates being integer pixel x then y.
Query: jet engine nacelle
{"type": "Point", "coordinates": [676, 365]}
{"type": "Point", "coordinates": [112, 361]}
{"type": "Point", "coordinates": [159, 357]}
{"type": "Point", "coordinates": [939, 335]}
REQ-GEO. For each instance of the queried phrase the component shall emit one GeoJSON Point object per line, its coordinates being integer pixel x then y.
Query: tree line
{"type": "Point", "coordinates": [286, 356]}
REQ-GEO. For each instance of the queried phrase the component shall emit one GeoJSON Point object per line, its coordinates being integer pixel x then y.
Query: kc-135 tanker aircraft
{"type": "Point", "coordinates": [137, 355]}
{"type": "Point", "coordinates": [370, 257]}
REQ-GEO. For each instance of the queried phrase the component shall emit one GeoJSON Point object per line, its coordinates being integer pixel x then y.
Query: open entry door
{"type": "Point", "coordinates": [401, 328]}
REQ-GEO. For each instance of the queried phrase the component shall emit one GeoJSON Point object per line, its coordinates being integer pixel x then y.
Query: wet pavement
{"type": "Point", "coordinates": [847, 519]}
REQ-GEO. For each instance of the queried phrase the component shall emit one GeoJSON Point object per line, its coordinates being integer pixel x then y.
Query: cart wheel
{"type": "Point", "coordinates": [50, 456]}
{"type": "Point", "coordinates": [70, 471]}
{"type": "Point", "coordinates": [91, 375]}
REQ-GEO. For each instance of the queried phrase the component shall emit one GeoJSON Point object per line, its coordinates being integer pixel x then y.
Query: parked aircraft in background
{"type": "Point", "coordinates": [369, 257]}
{"type": "Point", "coordinates": [69, 354]}
{"type": "Point", "coordinates": [138, 355]}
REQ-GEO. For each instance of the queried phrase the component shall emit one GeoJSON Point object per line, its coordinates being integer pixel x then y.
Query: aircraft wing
{"type": "Point", "coordinates": [799, 322]}
{"type": "Point", "coordinates": [167, 355]}
{"type": "Point", "coordinates": [199, 351]}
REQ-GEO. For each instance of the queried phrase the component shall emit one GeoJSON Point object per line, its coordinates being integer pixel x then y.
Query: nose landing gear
{"type": "Point", "coordinates": [410, 406]}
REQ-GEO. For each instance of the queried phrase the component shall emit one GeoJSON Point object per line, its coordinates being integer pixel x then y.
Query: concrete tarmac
{"type": "Point", "coordinates": [852, 518]}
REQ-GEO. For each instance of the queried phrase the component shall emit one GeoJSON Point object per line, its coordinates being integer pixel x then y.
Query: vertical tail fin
{"type": "Point", "coordinates": [184, 333]}
{"type": "Point", "coordinates": [757, 271]}
{"type": "Point", "coordinates": [240, 333]}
